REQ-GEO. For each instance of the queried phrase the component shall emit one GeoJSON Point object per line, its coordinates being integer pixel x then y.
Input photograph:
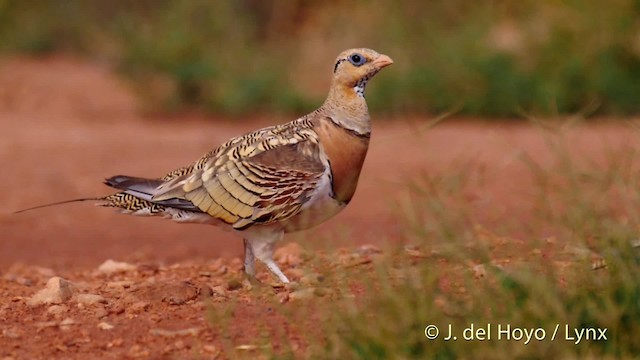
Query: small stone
{"type": "Point", "coordinates": [113, 267]}
{"type": "Point", "coordinates": [116, 309]}
{"type": "Point", "coordinates": [320, 292]}
{"type": "Point", "coordinates": [90, 299]}
{"type": "Point", "coordinates": [105, 326]}
{"type": "Point", "coordinates": [174, 333]}
{"type": "Point", "coordinates": [179, 293]}
{"type": "Point", "coordinates": [283, 297]}
{"type": "Point", "coordinates": [172, 292]}
{"type": "Point", "coordinates": [415, 252]}
{"type": "Point", "coordinates": [65, 324]}
{"type": "Point", "coordinates": [219, 291]}
{"type": "Point", "coordinates": [368, 250]}
{"type": "Point", "coordinates": [67, 321]}
{"type": "Point", "coordinates": [100, 312]}
{"type": "Point", "coordinates": [311, 279]}
{"type": "Point", "coordinates": [246, 347]}
{"type": "Point", "coordinates": [57, 310]}
{"type": "Point", "coordinates": [115, 343]}
{"type": "Point", "coordinates": [11, 333]}
{"type": "Point", "coordinates": [148, 269]}
{"type": "Point", "coordinates": [57, 291]}
{"type": "Point", "coordinates": [205, 292]}
{"type": "Point", "coordinates": [139, 306]}
{"type": "Point", "coordinates": [302, 294]}
{"type": "Point", "coordinates": [479, 271]}
{"type": "Point", "coordinates": [294, 273]}
{"type": "Point", "coordinates": [289, 255]}
{"type": "Point", "coordinates": [46, 324]}
{"type": "Point", "coordinates": [211, 349]}
{"type": "Point", "coordinates": [124, 284]}
{"type": "Point", "coordinates": [137, 351]}
{"type": "Point", "coordinates": [234, 284]}
{"type": "Point", "coordinates": [223, 270]}
{"type": "Point", "coordinates": [24, 281]}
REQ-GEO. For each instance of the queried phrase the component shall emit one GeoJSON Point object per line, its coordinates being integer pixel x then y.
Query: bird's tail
{"type": "Point", "coordinates": [136, 197]}
{"type": "Point", "coordinates": [60, 203]}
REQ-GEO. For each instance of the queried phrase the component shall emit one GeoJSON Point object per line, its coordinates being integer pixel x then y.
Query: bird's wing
{"type": "Point", "coordinates": [261, 177]}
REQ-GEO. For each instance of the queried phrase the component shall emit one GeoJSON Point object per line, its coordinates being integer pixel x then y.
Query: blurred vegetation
{"type": "Point", "coordinates": [488, 58]}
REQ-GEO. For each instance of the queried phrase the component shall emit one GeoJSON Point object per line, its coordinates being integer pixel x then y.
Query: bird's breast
{"type": "Point", "coordinates": [345, 151]}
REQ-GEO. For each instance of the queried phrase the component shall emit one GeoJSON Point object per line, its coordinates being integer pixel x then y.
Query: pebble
{"type": "Point", "coordinates": [105, 326]}
{"type": "Point", "coordinates": [116, 309]}
{"type": "Point", "coordinates": [100, 312]}
{"type": "Point", "coordinates": [179, 293]}
{"type": "Point", "coordinates": [10, 333]}
{"type": "Point", "coordinates": [57, 309]}
{"type": "Point", "coordinates": [302, 294]}
{"type": "Point", "coordinates": [90, 299]}
{"type": "Point", "coordinates": [112, 267]}
{"type": "Point", "coordinates": [234, 284]}
{"type": "Point", "coordinates": [137, 351]}
{"type": "Point", "coordinates": [479, 271]}
{"type": "Point", "coordinates": [171, 292]}
{"type": "Point", "coordinates": [368, 249]}
{"type": "Point", "coordinates": [210, 349]}
{"type": "Point", "coordinates": [139, 306]}
{"type": "Point", "coordinates": [174, 333]}
{"type": "Point", "coordinates": [289, 255]}
{"type": "Point", "coordinates": [205, 291]}
{"type": "Point", "coordinates": [115, 343]}
{"type": "Point", "coordinates": [66, 323]}
{"type": "Point", "coordinates": [46, 324]}
{"type": "Point", "coordinates": [57, 291]}
{"type": "Point", "coordinates": [219, 291]}
{"type": "Point", "coordinates": [311, 279]}
{"type": "Point", "coordinates": [124, 284]}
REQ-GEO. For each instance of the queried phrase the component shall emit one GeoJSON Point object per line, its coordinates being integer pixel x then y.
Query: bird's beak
{"type": "Point", "coordinates": [382, 61]}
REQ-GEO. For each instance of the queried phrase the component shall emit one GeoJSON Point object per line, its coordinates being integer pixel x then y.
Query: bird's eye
{"type": "Point", "coordinates": [357, 59]}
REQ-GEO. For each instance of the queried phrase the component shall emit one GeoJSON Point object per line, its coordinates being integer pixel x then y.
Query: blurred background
{"type": "Point", "coordinates": [479, 58]}
{"type": "Point", "coordinates": [91, 88]}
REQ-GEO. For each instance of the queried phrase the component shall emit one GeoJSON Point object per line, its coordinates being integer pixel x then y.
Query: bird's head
{"type": "Point", "coordinates": [354, 67]}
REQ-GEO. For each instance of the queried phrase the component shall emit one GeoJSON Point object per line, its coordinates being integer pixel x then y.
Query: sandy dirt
{"type": "Point", "coordinates": [66, 124]}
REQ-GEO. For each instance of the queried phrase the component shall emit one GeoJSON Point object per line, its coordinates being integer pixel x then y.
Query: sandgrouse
{"type": "Point", "coordinates": [274, 180]}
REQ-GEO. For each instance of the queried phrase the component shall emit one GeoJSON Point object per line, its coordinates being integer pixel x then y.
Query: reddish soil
{"type": "Point", "coordinates": [65, 125]}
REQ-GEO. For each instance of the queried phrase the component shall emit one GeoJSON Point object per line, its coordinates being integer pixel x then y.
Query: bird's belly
{"type": "Point", "coordinates": [320, 207]}
{"type": "Point", "coordinates": [316, 213]}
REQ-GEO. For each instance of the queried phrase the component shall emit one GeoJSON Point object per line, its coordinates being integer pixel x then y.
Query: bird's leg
{"type": "Point", "coordinates": [262, 248]}
{"type": "Point", "coordinates": [249, 260]}
{"type": "Point", "coordinates": [276, 270]}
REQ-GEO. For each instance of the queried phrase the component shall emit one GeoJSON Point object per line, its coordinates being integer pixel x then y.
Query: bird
{"type": "Point", "coordinates": [271, 181]}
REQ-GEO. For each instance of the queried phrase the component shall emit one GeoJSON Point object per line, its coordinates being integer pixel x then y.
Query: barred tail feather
{"type": "Point", "coordinates": [131, 203]}
{"type": "Point", "coordinates": [135, 197]}
{"type": "Point", "coordinates": [138, 193]}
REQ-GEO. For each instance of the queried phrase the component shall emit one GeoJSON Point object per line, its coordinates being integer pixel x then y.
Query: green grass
{"type": "Point", "coordinates": [480, 58]}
